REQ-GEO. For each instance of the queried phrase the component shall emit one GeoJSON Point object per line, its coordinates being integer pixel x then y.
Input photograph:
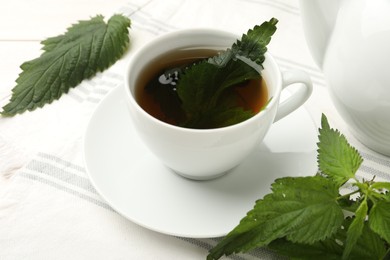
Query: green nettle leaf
{"type": "Point", "coordinates": [253, 43]}
{"type": "Point", "coordinates": [85, 49]}
{"type": "Point", "coordinates": [336, 157]}
{"type": "Point", "coordinates": [379, 219]}
{"type": "Point", "coordinates": [202, 86]}
{"type": "Point", "coordinates": [355, 229]}
{"type": "Point", "coordinates": [369, 246]}
{"type": "Point", "coordinates": [322, 250]}
{"type": "Point", "coordinates": [302, 209]}
{"type": "Point", "coordinates": [317, 197]}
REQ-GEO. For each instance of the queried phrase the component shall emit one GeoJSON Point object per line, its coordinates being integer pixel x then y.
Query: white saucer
{"type": "Point", "coordinates": [139, 187]}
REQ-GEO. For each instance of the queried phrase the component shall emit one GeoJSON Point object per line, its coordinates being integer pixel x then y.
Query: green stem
{"type": "Point", "coordinates": [373, 197]}
{"type": "Point", "coordinates": [347, 195]}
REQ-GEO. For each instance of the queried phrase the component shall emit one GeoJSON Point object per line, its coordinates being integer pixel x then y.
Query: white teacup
{"type": "Point", "coordinates": [203, 154]}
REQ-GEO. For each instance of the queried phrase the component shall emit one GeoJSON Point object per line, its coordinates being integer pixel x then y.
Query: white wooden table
{"type": "Point", "coordinates": [52, 215]}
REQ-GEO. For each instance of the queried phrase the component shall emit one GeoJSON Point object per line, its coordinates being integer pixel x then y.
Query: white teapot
{"type": "Point", "coordinates": [350, 42]}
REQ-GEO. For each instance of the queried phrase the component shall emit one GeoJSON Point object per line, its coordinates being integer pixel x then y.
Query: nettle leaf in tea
{"type": "Point", "coordinates": [211, 91]}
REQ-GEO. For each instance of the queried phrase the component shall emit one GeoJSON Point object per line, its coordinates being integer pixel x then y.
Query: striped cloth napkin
{"type": "Point", "coordinates": [48, 207]}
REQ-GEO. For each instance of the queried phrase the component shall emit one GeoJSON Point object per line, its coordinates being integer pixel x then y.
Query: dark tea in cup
{"type": "Point", "coordinates": [155, 89]}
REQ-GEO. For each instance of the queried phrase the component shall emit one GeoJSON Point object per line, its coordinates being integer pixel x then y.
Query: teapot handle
{"type": "Point", "coordinates": [300, 94]}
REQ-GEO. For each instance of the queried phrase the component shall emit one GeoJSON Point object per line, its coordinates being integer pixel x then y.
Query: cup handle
{"type": "Point", "coordinates": [300, 94]}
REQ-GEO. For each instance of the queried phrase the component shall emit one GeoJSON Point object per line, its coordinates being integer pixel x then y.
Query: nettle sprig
{"type": "Point", "coordinates": [309, 218]}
